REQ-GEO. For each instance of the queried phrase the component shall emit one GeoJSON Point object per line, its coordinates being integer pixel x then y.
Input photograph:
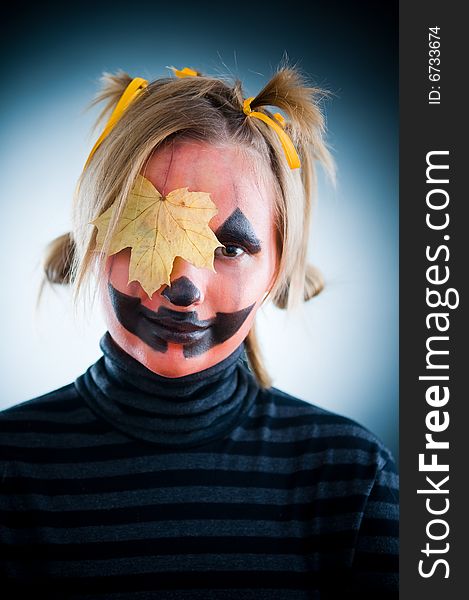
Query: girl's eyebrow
{"type": "Point", "coordinates": [238, 228]}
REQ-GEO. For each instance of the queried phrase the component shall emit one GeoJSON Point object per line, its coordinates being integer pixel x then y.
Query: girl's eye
{"type": "Point", "coordinates": [230, 251]}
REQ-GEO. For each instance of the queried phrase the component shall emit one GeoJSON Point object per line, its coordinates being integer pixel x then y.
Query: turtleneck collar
{"type": "Point", "coordinates": [177, 412]}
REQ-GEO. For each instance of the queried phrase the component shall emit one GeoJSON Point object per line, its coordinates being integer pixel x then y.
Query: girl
{"type": "Point", "coordinates": [171, 468]}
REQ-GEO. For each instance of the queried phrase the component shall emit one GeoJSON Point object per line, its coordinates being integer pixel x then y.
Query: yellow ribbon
{"type": "Point", "coordinates": [135, 88]}
{"type": "Point", "coordinates": [280, 118]}
{"type": "Point", "coordinates": [287, 145]}
{"type": "Point", "coordinates": [186, 72]}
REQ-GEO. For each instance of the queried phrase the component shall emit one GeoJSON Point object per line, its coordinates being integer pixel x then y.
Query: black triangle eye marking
{"type": "Point", "coordinates": [238, 230]}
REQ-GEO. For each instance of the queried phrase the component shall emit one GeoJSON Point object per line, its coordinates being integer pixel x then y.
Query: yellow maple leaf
{"type": "Point", "coordinates": [158, 229]}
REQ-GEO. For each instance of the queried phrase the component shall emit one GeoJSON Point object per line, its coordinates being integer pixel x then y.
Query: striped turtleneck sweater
{"type": "Point", "coordinates": [129, 485]}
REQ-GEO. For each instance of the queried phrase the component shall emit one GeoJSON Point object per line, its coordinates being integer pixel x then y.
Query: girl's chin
{"type": "Point", "coordinates": [173, 363]}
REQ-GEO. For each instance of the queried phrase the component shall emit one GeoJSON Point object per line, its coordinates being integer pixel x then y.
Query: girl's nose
{"type": "Point", "coordinates": [187, 284]}
{"type": "Point", "coordinates": [182, 292]}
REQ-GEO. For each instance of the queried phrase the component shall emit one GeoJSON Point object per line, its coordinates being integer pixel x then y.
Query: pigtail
{"type": "Point", "coordinates": [301, 103]}
{"type": "Point", "coordinates": [314, 282]}
{"type": "Point", "coordinates": [288, 91]}
{"type": "Point", "coordinates": [113, 86]}
{"type": "Point", "coordinates": [57, 263]}
{"type": "Point", "coordinates": [58, 259]}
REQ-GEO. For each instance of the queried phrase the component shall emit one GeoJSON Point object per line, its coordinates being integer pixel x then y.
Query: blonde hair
{"type": "Point", "coordinates": [208, 109]}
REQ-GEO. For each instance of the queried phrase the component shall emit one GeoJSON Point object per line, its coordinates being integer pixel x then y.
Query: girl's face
{"type": "Point", "coordinates": [203, 316]}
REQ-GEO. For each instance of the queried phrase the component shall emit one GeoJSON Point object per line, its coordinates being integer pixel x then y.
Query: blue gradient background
{"type": "Point", "coordinates": [341, 350]}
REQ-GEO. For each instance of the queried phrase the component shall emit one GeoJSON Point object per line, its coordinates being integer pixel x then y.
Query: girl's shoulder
{"type": "Point", "coordinates": [324, 430]}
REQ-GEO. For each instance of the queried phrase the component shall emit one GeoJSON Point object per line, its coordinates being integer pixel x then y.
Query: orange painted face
{"type": "Point", "coordinates": [203, 316]}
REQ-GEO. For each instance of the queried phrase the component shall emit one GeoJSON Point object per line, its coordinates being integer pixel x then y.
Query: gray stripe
{"type": "Point", "coordinates": [302, 432]}
{"type": "Point", "coordinates": [28, 412]}
{"type": "Point", "coordinates": [203, 461]}
{"type": "Point", "coordinates": [176, 495]}
{"type": "Point", "coordinates": [384, 543]}
{"type": "Point", "coordinates": [81, 415]}
{"type": "Point", "coordinates": [58, 441]}
{"type": "Point", "coordinates": [178, 562]}
{"type": "Point", "coordinates": [148, 530]}
{"type": "Point", "coordinates": [388, 478]}
{"type": "Point", "coordinates": [82, 439]}
{"type": "Point", "coordinates": [382, 510]}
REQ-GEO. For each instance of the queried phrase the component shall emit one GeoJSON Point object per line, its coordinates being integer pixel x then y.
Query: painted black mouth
{"type": "Point", "coordinates": [172, 319]}
{"type": "Point", "coordinates": [158, 328]}
{"type": "Point", "coordinates": [175, 330]}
